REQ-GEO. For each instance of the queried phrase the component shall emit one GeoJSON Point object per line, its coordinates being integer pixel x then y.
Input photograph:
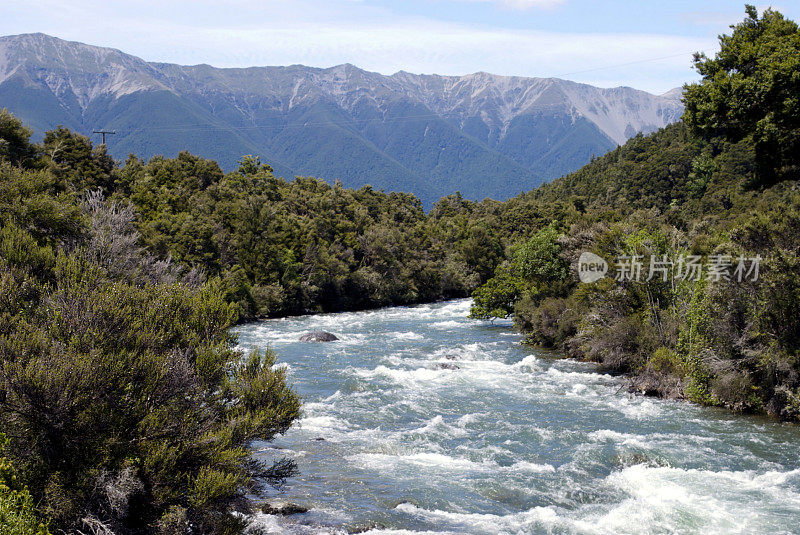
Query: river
{"type": "Point", "coordinates": [509, 439]}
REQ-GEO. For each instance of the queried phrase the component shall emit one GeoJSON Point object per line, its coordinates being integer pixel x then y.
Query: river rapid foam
{"type": "Point", "coordinates": [434, 423]}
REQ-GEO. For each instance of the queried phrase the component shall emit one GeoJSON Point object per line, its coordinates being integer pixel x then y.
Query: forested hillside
{"type": "Point", "coordinates": [302, 246]}
{"type": "Point", "coordinates": [718, 191]}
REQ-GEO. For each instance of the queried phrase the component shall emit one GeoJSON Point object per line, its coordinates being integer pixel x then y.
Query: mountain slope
{"type": "Point", "coordinates": [485, 135]}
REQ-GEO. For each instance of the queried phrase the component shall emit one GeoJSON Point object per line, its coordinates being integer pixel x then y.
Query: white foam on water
{"type": "Point", "coordinates": [466, 430]}
{"type": "Point", "coordinates": [447, 324]}
{"type": "Point", "coordinates": [639, 408]}
{"type": "Point", "coordinates": [522, 522]}
{"type": "Point", "coordinates": [435, 463]}
{"type": "Point", "coordinates": [424, 460]}
{"type": "Point", "coordinates": [628, 439]}
{"type": "Point", "coordinates": [407, 335]}
{"type": "Point", "coordinates": [323, 424]}
{"type": "Point", "coordinates": [310, 523]}
{"type": "Point", "coordinates": [437, 426]}
{"type": "Point", "coordinates": [527, 466]}
{"type": "Point", "coordinates": [380, 531]}
{"type": "Point", "coordinates": [282, 366]}
{"type": "Point", "coordinates": [458, 308]}
{"type": "Point", "coordinates": [667, 499]}
{"type": "Point", "coordinates": [580, 389]}
{"type": "Point", "coordinates": [528, 364]}
{"type": "Point", "coordinates": [657, 500]}
{"type": "Point", "coordinates": [467, 419]}
{"type": "Point", "coordinates": [402, 376]}
{"type": "Point", "coordinates": [266, 336]}
{"type": "Point", "coordinates": [268, 524]}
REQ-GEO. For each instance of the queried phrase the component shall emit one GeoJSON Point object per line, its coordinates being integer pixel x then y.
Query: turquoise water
{"type": "Point", "coordinates": [513, 441]}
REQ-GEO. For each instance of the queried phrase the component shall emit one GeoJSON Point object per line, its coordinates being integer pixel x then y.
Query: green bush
{"type": "Point", "coordinates": [550, 324]}
{"type": "Point", "coordinates": [667, 362]}
{"type": "Point", "coordinates": [497, 297]}
{"type": "Point", "coordinates": [128, 408]}
{"type": "Point", "coordinates": [17, 513]}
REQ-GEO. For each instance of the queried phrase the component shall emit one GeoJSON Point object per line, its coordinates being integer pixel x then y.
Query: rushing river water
{"type": "Point", "coordinates": [512, 441]}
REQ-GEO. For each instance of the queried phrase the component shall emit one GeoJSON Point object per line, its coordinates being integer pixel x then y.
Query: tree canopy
{"type": "Point", "coordinates": [751, 90]}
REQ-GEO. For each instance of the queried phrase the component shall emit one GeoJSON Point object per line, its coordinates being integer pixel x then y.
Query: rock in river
{"type": "Point", "coordinates": [283, 509]}
{"type": "Point", "coordinates": [318, 336]}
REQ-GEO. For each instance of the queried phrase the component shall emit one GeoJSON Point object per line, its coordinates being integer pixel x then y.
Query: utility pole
{"type": "Point", "coordinates": [103, 133]}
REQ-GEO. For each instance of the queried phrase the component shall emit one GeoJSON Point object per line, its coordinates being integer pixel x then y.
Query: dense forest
{"type": "Point", "coordinates": [721, 188]}
{"type": "Point", "coordinates": [125, 407]}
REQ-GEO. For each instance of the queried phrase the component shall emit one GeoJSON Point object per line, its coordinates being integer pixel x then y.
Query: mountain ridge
{"type": "Point", "coordinates": [483, 134]}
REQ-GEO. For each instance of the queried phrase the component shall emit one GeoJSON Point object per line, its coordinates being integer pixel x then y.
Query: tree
{"type": "Point", "coordinates": [15, 143]}
{"type": "Point", "coordinates": [73, 157]}
{"type": "Point", "coordinates": [250, 165]}
{"type": "Point", "coordinates": [482, 250]}
{"type": "Point", "coordinates": [703, 168]}
{"type": "Point", "coordinates": [127, 407]}
{"type": "Point", "coordinates": [751, 90]}
{"type": "Point", "coordinates": [536, 271]}
{"type": "Point", "coordinates": [497, 297]}
{"type": "Point", "coordinates": [125, 402]}
{"type": "Point", "coordinates": [538, 259]}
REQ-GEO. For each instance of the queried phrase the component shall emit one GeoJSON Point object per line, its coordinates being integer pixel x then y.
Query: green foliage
{"type": "Point", "coordinates": [128, 408]}
{"type": "Point", "coordinates": [536, 271]}
{"type": "Point", "coordinates": [72, 157]}
{"type": "Point", "coordinates": [551, 322]}
{"type": "Point", "coordinates": [728, 342]}
{"type": "Point", "coordinates": [750, 91]}
{"type": "Point", "coordinates": [647, 171]}
{"type": "Point", "coordinates": [496, 298]}
{"type": "Point", "coordinates": [703, 168]}
{"type": "Point", "coordinates": [538, 260]}
{"type": "Point", "coordinates": [15, 145]}
{"type": "Point", "coordinates": [668, 362]}
{"type": "Point", "coordinates": [18, 515]}
{"type": "Point", "coordinates": [251, 165]}
{"type": "Point", "coordinates": [118, 372]}
{"type": "Point", "coordinates": [303, 245]}
{"type": "Point", "coordinates": [698, 388]}
{"type": "Point", "coordinates": [129, 372]}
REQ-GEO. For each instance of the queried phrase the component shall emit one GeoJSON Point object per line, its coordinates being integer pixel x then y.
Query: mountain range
{"type": "Point", "coordinates": [481, 134]}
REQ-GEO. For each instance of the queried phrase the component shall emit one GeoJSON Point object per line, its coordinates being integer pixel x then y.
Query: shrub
{"type": "Point", "coordinates": [551, 324]}
{"type": "Point", "coordinates": [496, 298]}
{"type": "Point", "coordinates": [126, 401]}
{"type": "Point", "coordinates": [17, 513]}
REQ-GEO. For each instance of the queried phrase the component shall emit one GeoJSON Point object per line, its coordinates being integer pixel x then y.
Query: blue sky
{"type": "Point", "coordinates": [642, 44]}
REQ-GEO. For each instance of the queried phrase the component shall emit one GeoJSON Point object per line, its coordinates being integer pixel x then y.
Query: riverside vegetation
{"type": "Point", "coordinates": [126, 408]}
{"type": "Point", "coordinates": [723, 182]}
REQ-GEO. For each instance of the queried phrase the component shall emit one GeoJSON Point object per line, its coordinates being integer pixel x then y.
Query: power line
{"type": "Point", "coordinates": [103, 133]}
{"type": "Point", "coordinates": [624, 64]}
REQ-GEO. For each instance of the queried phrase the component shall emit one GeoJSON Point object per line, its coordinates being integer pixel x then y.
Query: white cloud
{"type": "Point", "coordinates": [283, 32]}
{"type": "Point", "coordinates": [723, 19]}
